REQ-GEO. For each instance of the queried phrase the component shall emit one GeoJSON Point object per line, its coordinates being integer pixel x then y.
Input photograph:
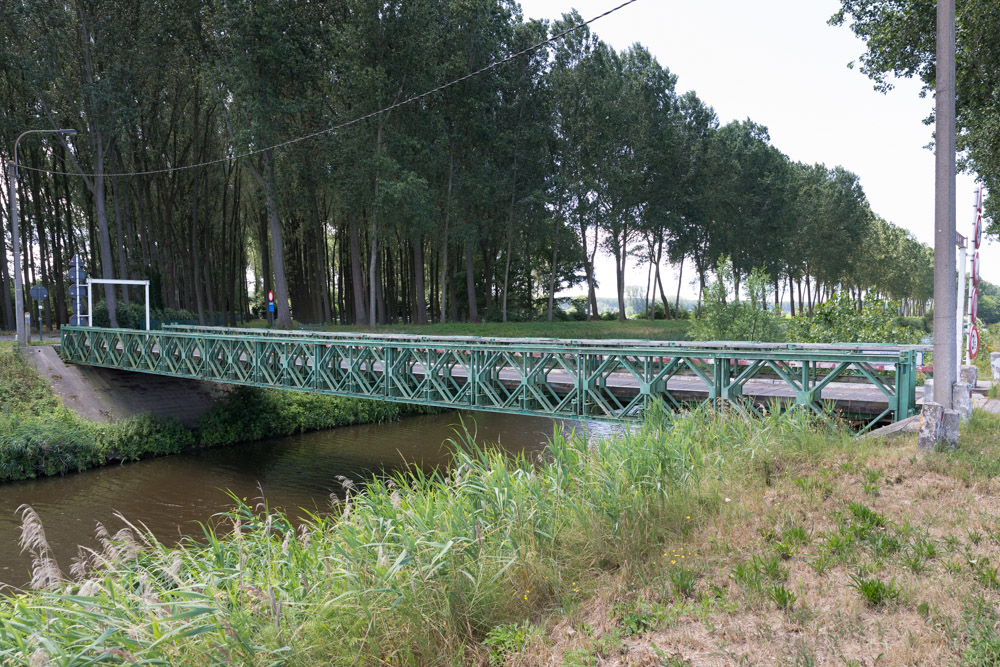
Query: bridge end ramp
{"type": "Point", "coordinates": [105, 394]}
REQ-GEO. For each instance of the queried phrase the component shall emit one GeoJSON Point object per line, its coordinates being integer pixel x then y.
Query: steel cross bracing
{"type": "Point", "coordinates": [584, 379]}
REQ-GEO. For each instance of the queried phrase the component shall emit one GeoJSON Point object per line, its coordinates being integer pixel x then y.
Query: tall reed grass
{"type": "Point", "coordinates": [412, 569]}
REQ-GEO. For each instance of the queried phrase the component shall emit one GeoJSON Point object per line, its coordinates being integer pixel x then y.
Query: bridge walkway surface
{"type": "Point", "coordinates": [612, 380]}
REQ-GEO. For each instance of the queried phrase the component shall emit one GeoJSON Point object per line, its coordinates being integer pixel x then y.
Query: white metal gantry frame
{"type": "Point", "coordinates": [112, 281]}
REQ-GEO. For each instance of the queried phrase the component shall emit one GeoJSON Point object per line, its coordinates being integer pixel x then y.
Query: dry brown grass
{"type": "Point", "coordinates": [926, 499]}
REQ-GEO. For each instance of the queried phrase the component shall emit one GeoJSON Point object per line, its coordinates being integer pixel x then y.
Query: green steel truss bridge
{"type": "Point", "coordinates": [611, 380]}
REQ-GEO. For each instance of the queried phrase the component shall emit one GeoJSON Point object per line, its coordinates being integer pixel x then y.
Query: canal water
{"type": "Point", "coordinates": [171, 495]}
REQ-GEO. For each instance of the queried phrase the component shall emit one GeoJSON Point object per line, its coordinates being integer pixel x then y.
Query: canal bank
{"type": "Point", "coordinates": [173, 495]}
{"type": "Point", "coordinates": [58, 419]}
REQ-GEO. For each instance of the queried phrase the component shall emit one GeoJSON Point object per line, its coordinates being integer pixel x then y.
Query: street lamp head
{"type": "Point", "coordinates": [68, 132]}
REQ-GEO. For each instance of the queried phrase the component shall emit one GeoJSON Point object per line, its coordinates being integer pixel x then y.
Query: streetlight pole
{"type": "Point", "coordinates": [945, 287]}
{"type": "Point", "coordinates": [16, 234]}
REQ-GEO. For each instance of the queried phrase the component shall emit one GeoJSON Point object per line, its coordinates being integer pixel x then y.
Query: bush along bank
{"type": "Point", "coordinates": [39, 437]}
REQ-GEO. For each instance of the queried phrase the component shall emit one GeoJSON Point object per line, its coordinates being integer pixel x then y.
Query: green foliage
{"type": "Point", "coordinates": [781, 596]}
{"type": "Point", "coordinates": [838, 321]}
{"type": "Point", "coordinates": [683, 581]}
{"type": "Point", "coordinates": [47, 444]}
{"type": "Point", "coordinates": [980, 620]}
{"type": "Point", "coordinates": [21, 388]}
{"type": "Point", "coordinates": [899, 36]}
{"type": "Point", "coordinates": [509, 639]}
{"type": "Point", "coordinates": [750, 319]}
{"type": "Point", "coordinates": [141, 436]}
{"type": "Point", "coordinates": [248, 413]}
{"type": "Point", "coordinates": [133, 315]}
{"type": "Point", "coordinates": [876, 593]}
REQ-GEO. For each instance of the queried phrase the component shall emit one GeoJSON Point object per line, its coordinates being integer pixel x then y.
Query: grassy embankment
{"type": "Point", "coordinates": [712, 540]}
{"type": "Point", "coordinates": [40, 437]}
{"type": "Point", "coordinates": [633, 329]}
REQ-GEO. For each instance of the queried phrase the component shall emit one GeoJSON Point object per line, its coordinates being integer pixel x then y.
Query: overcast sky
{"type": "Point", "coordinates": [780, 64]}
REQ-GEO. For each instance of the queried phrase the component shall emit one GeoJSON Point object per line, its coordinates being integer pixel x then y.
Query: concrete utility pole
{"type": "Point", "coordinates": [16, 234]}
{"type": "Point", "coordinates": [945, 287]}
{"type": "Point", "coordinates": [939, 419]}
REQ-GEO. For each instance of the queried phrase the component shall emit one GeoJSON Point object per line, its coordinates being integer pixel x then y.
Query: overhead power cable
{"type": "Point", "coordinates": [359, 119]}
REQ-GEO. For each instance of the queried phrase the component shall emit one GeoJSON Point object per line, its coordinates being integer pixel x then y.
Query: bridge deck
{"type": "Point", "coordinates": [609, 380]}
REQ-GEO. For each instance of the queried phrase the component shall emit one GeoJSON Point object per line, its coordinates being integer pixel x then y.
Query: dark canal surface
{"type": "Point", "coordinates": [171, 495]}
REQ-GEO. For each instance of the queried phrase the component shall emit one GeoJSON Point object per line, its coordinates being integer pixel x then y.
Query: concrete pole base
{"type": "Point", "coordinates": [961, 400]}
{"type": "Point", "coordinates": [938, 427]}
{"type": "Point", "coordinates": [969, 375]}
{"type": "Point", "coordinates": [995, 364]}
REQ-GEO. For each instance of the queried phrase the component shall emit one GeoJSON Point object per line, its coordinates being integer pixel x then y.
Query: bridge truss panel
{"type": "Point", "coordinates": [593, 380]}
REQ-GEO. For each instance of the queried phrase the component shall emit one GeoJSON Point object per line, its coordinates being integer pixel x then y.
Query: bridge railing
{"type": "Point", "coordinates": [601, 342]}
{"type": "Point", "coordinates": [594, 379]}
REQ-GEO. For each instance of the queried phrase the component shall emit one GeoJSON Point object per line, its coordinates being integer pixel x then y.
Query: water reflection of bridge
{"type": "Point", "coordinates": [577, 379]}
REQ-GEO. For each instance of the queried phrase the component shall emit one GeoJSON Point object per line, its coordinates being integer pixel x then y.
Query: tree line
{"type": "Point", "coordinates": [482, 200]}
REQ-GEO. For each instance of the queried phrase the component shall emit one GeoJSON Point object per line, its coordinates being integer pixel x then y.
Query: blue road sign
{"type": "Point", "coordinates": [270, 306]}
{"type": "Point", "coordinates": [77, 275]}
{"type": "Point", "coordinates": [39, 293]}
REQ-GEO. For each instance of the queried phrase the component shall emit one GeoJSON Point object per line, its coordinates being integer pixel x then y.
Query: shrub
{"type": "Point", "coordinates": [747, 320]}
{"type": "Point", "coordinates": [838, 321]}
{"type": "Point", "coordinates": [143, 435]}
{"type": "Point", "coordinates": [49, 444]}
{"type": "Point", "coordinates": [133, 315]}
{"type": "Point", "coordinates": [248, 413]}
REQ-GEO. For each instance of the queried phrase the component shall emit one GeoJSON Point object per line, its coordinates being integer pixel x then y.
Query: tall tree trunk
{"type": "Point", "coordinates": [588, 266]}
{"type": "Point", "coordinates": [444, 245]}
{"type": "Point", "coordinates": [552, 273]}
{"type": "Point", "coordinates": [375, 311]}
{"type": "Point", "coordinates": [5, 287]}
{"type": "Point", "coordinates": [195, 234]}
{"type": "Point", "coordinates": [419, 292]}
{"type": "Point", "coordinates": [791, 295]}
{"type": "Point", "coordinates": [620, 281]}
{"type": "Point", "coordinates": [119, 230]}
{"type": "Point", "coordinates": [680, 281]}
{"type": "Point", "coordinates": [470, 282]}
{"type": "Point", "coordinates": [264, 175]}
{"type": "Point", "coordinates": [360, 312]}
{"type": "Point", "coordinates": [506, 271]}
{"type": "Point", "coordinates": [265, 256]}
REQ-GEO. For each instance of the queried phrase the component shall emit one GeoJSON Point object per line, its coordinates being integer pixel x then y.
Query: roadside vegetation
{"type": "Point", "coordinates": [598, 329]}
{"type": "Point", "coordinates": [39, 437]}
{"type": "Point", "coordinates": [701, 539]}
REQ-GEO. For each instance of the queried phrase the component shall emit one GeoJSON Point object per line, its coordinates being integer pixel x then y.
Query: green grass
{"type": "Point", "coordinates": [419, 569]}
{"type": "Point", "coordinates": [989, 341]}
{"type": "Point", "coordinates": [600, 329]}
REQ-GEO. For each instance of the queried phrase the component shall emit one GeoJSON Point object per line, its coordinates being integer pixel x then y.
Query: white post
{"type": "Point", "coordinates": [147, 305]}
{"type": "Point", "coordinates": [90, 304]}
{"type": "Point", "coordinates": [960, 306]}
